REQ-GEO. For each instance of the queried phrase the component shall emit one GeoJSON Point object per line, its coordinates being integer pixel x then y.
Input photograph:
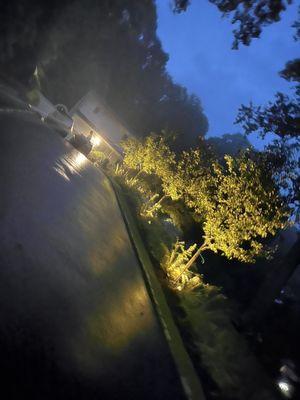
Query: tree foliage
{"type": "Point", "coordinates": [195, 171]}
{"type": "Point", "coordinates": [246, 208]}
{"type": "Point", "coordinates": [291, 72]}
{"type": "Point", "coordinates": [231, 144]}
{"type": "Point", "coordinates": [173, 264]}
{"type": "Point", "coordinates": [151, 155]}
{"type": "Point", "coordinates": [282, 118]}
{"type": "Point", "coordinates": [133, 153]}
{"type": "Point", "coordinates": [238, 202]}
{"type": "Point", "coordinates": [24, 28]}
{"type": "Point", "coordinates": [250, 17]}
{"type": "Point", "coordinates": [296, 25]}
{"type": "Point", "coordinates": [108, 46]}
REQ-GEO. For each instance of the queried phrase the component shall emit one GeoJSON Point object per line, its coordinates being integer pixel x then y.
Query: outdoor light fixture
{"type": "Point", "coordinates": [95, 140]}
{"type": "Point", "coordinates": [285, 388]}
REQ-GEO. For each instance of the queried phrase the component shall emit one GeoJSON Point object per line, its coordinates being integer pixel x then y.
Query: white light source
{"type": "Point", "coordinates": [95, 140]}
{"type": "Point", "coordinates": [285, 388]}
{"type": "Point", "coordinates": [80, 160]}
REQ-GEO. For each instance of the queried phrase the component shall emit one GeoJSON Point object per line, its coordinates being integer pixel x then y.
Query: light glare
{"type": "Point", "coordinates": [80, 159]}
{"type": "Point", "coordinates": [284, 386]}
{"type": "Point", "coordinates": [95, 140]}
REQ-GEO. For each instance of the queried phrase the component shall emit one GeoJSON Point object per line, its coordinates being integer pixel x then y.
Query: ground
{"type": "Point", "coordinates": [76, 318]}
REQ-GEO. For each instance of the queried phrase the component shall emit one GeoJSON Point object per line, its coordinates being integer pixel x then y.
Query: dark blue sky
{"type": "Point", "coordinates": [199, 45]}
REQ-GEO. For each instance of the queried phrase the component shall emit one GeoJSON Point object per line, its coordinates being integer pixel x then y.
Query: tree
{"type": "Point", "coordinates": [25, 26]}
{"type": "Point", "coordinates": [158, 158]}
{"type": "Point", "coordinates": [247, 209]}
{"type": "Point", "coordinates": [242, 208]}
{"type": "Point", "coordinates": [291, 72]}
{"type": "Point", "coordinates": [151, 156]}
{"type": "Point", "coordinates": [296, 25]}
{"type": "Point", "coordinates": [280, 117]}
{"type": "Point", "coordinates": [114, 49]}
{"type": "Point", "coordinates": [231, 144]}
{"type": "Point", "coordinates": [108, 46]}
{"type": "Point", "coordinates": [237, 202]}
{"type": "Point", "coordinates": [134, 152]}
{"type": "Point", "coordinates": [250, 16]}
{"type": "Point", "coordinates": [193, 179]}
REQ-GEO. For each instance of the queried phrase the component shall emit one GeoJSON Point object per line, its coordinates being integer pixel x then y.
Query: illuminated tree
{"type": "Point", "coordinates": [173, 263]}
{"type": "Point", "coordinates": [158, 158]}
{"type": "Point", "coordinates": [152, 157]}
{"type": "Point", "coordinates": [241, 207]}
{"type": "Point", "coordinates": [192, 168]}
{"type": "Point", "coordinates": [197, 181]}
{"type": "Point", "coordinates": [134, 153]}
{"type": "Point", "coordinates": [247, 208]}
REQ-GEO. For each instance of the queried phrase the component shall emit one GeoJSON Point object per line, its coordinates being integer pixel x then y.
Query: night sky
{"type": "Point", "coordinates": [199, 46]}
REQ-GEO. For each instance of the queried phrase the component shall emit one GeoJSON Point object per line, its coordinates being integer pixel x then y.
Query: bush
{"type": "Point", "coordinates": [224, 353]}
{"type": "Point", "coordinates": [174, 262]}
{"type": "Point", "coordinates": [98, 158]}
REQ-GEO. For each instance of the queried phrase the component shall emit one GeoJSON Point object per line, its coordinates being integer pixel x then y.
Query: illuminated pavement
{"type": "Point", "coordinates": [76, 321]}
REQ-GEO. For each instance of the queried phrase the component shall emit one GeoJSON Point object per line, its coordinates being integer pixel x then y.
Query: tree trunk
{"type": "Point", "coordinates": [272, 285]}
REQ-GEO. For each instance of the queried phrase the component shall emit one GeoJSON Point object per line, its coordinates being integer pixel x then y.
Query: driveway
{"type": "Point", "coordinates": [76, 319]}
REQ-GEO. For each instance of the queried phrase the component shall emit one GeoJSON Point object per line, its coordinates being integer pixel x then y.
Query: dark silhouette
{"type": "Point", "coordinates": [231, 144]}
{"type": "Point", "coordinates": [110, 47]}
{"type": "Point", "coordinates": [250, 17]}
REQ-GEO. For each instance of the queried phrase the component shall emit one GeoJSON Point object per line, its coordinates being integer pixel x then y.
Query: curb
{"type": "Point", "coordinates": [190, 381]}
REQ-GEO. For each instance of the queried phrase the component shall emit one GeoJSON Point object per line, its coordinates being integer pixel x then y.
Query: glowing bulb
{"type": "Point", "coordinates": [284, 386]}
{"type": "Point", "coordinates": [95, 140]}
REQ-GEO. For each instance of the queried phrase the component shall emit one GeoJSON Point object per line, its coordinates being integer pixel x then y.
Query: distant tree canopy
{"type": "Point", "coordinates": [250, 17]}
{"type": "Point", "coordinates": [291, 73]}
{"type": "Point", "coordinates": [108, 46]}
{"type": "Point", "coordinates": [230, 144]}
{"type": "Point", "coordinates": [282, 118]}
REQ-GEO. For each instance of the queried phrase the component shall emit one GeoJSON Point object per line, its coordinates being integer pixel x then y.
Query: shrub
{"type": "Point", "coordinates": [98, 158]}
{"type": "Point", "coordinates": [223, 352]}
{"type": "Point", "coordinates": [173, 263]}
